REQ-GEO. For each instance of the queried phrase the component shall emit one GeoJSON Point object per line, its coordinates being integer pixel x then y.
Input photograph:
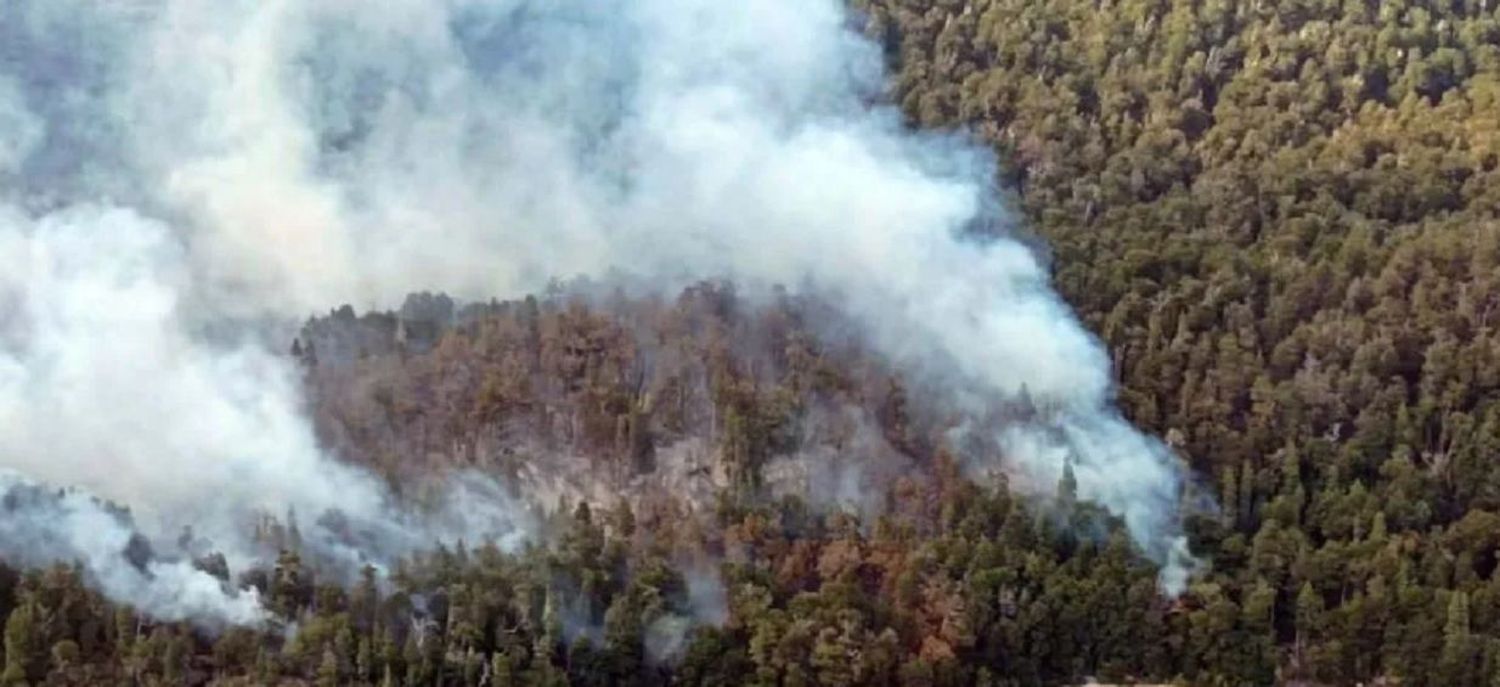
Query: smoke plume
{"type": "Point", "coordinates": [40, 527]}
{"type": "Point", "coordinates": [180, 179]}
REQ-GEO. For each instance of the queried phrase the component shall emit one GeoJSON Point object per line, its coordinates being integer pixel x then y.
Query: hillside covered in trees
{"type": "Point", "coordinates": [1280, 217]}
{"type": "Point", "coordinates": [722, 498]}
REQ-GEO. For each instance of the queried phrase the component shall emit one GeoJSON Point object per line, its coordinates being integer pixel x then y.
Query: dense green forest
{"type": "Point", "coordinates": [1280, 217]}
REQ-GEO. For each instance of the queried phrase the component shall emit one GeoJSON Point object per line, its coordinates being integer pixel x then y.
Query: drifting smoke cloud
{"type": "Point", "coordinates": [177, 170]}
{"type": "Point", "coordinates": [40, 527]}
{"type": "Point", "coordinates": [666, 638]}
{"type": "Point", "coordinates": [105, 384]}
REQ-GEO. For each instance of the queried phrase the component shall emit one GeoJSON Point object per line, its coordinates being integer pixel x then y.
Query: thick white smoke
{"type": "Point", "coordinates": [107, 387]}
{"type": "Point", "coordinates": [178, 169]}
{"type": "Point", "coordinates": [39, 527]}
{"type": "Point", "coordinates": [107, 383]}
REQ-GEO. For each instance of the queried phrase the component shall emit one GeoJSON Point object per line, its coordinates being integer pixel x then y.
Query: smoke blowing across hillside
{"type": "Point", "coordinates": [177, 172]}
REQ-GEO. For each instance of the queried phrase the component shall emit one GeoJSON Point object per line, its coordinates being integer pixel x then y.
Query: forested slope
{"type": "Point", "coordinates": [1281, 217]}
{"type": "Point", "coordinates": [769, 507]}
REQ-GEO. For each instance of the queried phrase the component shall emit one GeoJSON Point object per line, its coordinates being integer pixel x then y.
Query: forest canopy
{"type": "Point", "coordinates": [1280, 219]}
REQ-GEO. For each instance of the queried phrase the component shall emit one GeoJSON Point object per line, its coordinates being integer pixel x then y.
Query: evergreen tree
{"type": "Point", "coordinates": [25, 652]}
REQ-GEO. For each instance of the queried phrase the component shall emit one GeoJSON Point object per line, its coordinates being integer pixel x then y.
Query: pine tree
{"type": "Point", "coordinates": [1067, 488]}
{"type": "Point", "coordinates": [174, 660]}
{"type": "Point", "coordinates": [1457, 666]}
{"type": "Point", "coordinates": [24, 650]}
{"type": "Point", "coordinates": [328, 669]}
{"type": "Point", "coordinates": [502, 671]}
{"type": "Point", "coordinates": [1309, 617]}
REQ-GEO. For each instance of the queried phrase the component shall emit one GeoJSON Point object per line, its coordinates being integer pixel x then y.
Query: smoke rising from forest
{"type": "Point", "coordinates": [177, 175]}
{"type": "Point", "coordinates": [41, 526]}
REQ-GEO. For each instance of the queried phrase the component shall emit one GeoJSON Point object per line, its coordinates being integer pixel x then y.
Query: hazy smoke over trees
{"type": "Point", "coordinates": [182, 177]}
